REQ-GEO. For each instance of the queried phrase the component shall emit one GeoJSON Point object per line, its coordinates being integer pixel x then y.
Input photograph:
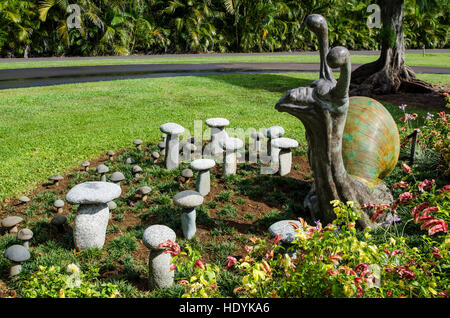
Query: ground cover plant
{"type": "Point", "coordinates": [232, 254]}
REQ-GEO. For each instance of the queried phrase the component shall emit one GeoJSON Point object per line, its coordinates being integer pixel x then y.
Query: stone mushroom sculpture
{"type": "Point", "coordinates": [218, 135]}
{"type": "Point", "coordinates": [188, 152]}
{"type": "Point", "coordinates": [138, 143]}
{"type": "Point", "coordinates": [136, 170]}
{"type": "Point", "coordinates": [117, 177]}
{"type": "Point", "coordinates": [102, 170]}
{"type": "Point", "coordinates": [110, 154]}
{"type": "Point", "coordinates": [230, 146]}
{"type": "Point", "coordinates": [55, 179]}
{"type": "Point", "coordinates": [273, 133]}
{"type": "Point", "coordinates": [162, 147]}
{"type": "Point", "coordinates": [93, 214]}
{"type": "Point", "coordinates": [284, 160]}
{"type": "Point", "coordinates": [203, 182]}
{"type": "Point", "coordinates": [257, 137]}
{"type": "Point", "coordinates": [130, 161]}
{"type": "Point", "coordinates": [24, 199]}
{"type": "Point", "coordinates": [160, 274]}
{"type": "Point", "coordinates": [25, 235]}
{"type": "Point", "coordinates": [59, 221]}
{"type": "Point", "coordinates": [59, 205]}
{"type": "Point", "coordinates": [16, 254]}
{"type": "Point", "coordinates": [86, 165]}
{"type": "Point", "coordinates": [188, 200]}
{"type": "Point", "coordinates": [143, 192]}
{"type": "Point", "coordinates": [173, 132]}
{"type": "Point", "coordinates": [11, 223]}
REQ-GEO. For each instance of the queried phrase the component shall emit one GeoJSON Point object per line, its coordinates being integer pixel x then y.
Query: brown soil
{"type": "Point", "coordinates": [433, 101]}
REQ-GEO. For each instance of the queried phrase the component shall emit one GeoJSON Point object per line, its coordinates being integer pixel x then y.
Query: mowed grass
{"type": "Point", "coordinates": [51, 130]}
{"type": "Point", "coordinates": [430, 59]}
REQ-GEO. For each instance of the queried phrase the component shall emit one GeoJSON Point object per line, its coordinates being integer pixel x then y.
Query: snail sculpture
{"type": "Point", "coordinates": [353, 142]}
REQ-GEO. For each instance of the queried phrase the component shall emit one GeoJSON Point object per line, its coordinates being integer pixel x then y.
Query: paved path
{"type": "Point", "coordinates": [17, 78]}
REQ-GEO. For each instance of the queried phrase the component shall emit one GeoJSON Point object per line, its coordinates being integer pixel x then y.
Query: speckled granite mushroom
{"type": "Point", "coordinates": [143, 192]}
{"type": "Point", "coordinates": [218, 135]}
{"type": "Point", "coordinates": [102, 170]}
{"type": "Point", "coordinates": [160, 273]}
{"type": "Point", "coordinates": [230, 146]}
{"type": "Point", "coordinates": [93, 214]}
{"type": "Point", "coordinates": [24, 199]}
{"type": "Point", "coordinates": [11, 222]}
{"type": "Point", "coordinates": [25, 235]}
{"type": "Point", "coordinates": [188, 200]}
{"type": "Point", "coordinates": [138, 143]}
{"type": "Point", "coordinates": [86, 165]}
{"type": "Point", "coordinates": [16, 254]}
{"type": "Point", "coordinates": [203, 182]}
{"type": "Point", "coordinates": [173, 132]}
{"type": "Point", "coordinates": [116, 177]}
{"type": "Point", "coordinates": [110, 154]}
{"type": "Point", "coordinates": [59, 205]}
{"type": "Point", "coordinates": [55, 179]}
{"type": "Point", "coordinates": [136, 170]}
{"type": "Point", "coordinates": [188, 152]}
{"type": "Point", "coordinates": [284, 159]}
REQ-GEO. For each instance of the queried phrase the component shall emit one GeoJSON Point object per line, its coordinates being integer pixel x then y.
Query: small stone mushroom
{"type": "Point", "coordinates": [102, 170]}
{"type": "Point", "coordinates": [186, 174]}
{"type": "Point", "coordinates": [188, 151]}
{"type": "Point", "coordinates": [284, 159]}
{"type": "Point", "coordinates": [160, 274]}
{"type": "Point", "coordinates": [136, 170]}
{"type": "Point", "coordinates": [93, 214]}
{"type": "Point", "coordinates": [117, 177]}
{"type": "Point", "coordinates": [55, 179]}
{"type": "Point", "coordinates": [256, 148]}
{"type": "Point", "coordinates": [203, 182]}
{"type": "Point", "coordinates": [155, 155]}
{"type": "Point", "coordinates": [110, 154]}
{"type": "Point", "coordinates": [218, 134]}
{"type": "Point", "coordinates": [86, 165]}
{"type": "Point", "coordinates": [111, 205]}
{"type": "Point", "coordinates": [16, 254]}
{"type": "Point", "coordinates": [59, 221]}
{"type": "Point", "coordinates": [230, 146]}
{"type": "Point", "coordinates": [24, 199]}
{"type": "Point", "coordinates": [138, 143]}
{"type": "Point", "coordinates": [285, 228]}
{"type": "Point", "coordinates": [25, 235]}
{"type": "Point", "coordinates": [188, 200]}
{"type": "Point", "coordinates": [130, 161]}
{"type": "Point", "coordinates": [273, 133]}
{"type": "Point", "coordinates": [143, 192]}
{"type": "Point", "coordinates": [173, 132]}
{"type": "Point", "coordinates": [11, 223]}
{"type": "Point", "coordinates": [59, 205]}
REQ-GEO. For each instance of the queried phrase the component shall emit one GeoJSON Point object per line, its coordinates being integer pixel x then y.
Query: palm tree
{"type": "Point", "coordinates": [389, 74]}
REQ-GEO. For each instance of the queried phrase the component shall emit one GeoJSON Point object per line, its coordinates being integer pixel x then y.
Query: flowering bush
{"type": "Point", "coordinates": [54, 282]}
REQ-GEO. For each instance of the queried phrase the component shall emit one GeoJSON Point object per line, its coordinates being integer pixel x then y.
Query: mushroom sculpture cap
{"type": "Point", "coordinates": [58, 203]}
{"type": "Point", "coordinates": [24, 199]}
{"type": "Point", "coordinates": [138, 142]}
{"type": "Point", "coordinates": [188, 199]}
{"type": "Point", "coordinates": [117, 177]}
{"type": "Point", "coordinates": [56, 177]}
{"type": "Point", "coordinates": [86, 164]}
{"type": "Point", "coordinates": [284, 143]}
{"type": "Point", "coordinates": [202, 164]}
{"type": "Point", "coordinates": [231, 144]}
{"type": "Point", "coordinates": [102, 169]}
{"type": "Point", "coordinates": [17, 253]}
{"type": "Point", "coordinates": [157, 234]}
{"type": "Point", "coordinates": [274, 132]}
{"type": "Point", "coordinates": [144, 190]}
{"type": "Point", "coordinates": [59, 220]}
{"type": "Point", "coordinates": [187, 173]}
{"type": "Point", "coordinates": [161, 145]}
{"type": "Point", "coordinates": [110, 153]}
{"type": "Point", "coordinates": [217, 122]}
{"type": "Point", "coordinates": [25, 234]}
{"type": "Point", "coordinates": [257, 135]}
{"type": "Point", "coordinates": [94, 192]}
{"type": "Point", "coordinates": [172, 129]}
{"type": "Point", "coordinates": [11, 221]}
{"type": "Point", "coordinates": [136, 169]}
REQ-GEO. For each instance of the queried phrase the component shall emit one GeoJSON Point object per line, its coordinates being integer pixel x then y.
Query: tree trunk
{"type": "Point", "coordinates": [388, 74]}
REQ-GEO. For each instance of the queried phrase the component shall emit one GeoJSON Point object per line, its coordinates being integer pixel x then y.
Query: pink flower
{"type": "Point", "coordinates": [446, 188]}
{"type": "Point", "coordinates": [426, 185]}
{"type": "Point", "coordinates": [405, 197]}
{"type": "Point", "coordinates": [231, 261]}
{"type": "Point", "coordinates": [277, 239]}
{"type": "Point", "coordinates": [173, 267]}
{"type": "Point", "coordinates": [248, 249]}
{"type": "Point", "coordinates": [406, 168]}
{"type": "Point", "coordinates": [183, 282]}
{"type": "Point", "coordinates": [171, 247]}
{"type": "Point", "coordinates": [401, 184]}
{"type": "Point", "coordinates": [199, 264]}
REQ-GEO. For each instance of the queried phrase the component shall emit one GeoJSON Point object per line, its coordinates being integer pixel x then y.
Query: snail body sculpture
{"type": "Point", "coordinates": [352, 142]}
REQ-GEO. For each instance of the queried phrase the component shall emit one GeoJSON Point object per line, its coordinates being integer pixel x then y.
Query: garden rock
{"type": "Point", "coordinates": [203, 182]}
{"type": "Point", "coordinates": [286, 230]}
{"type": "Point", "coordinates": [160, 275]}
{"type": "Point", "coordinates": [187, 173]}
{"type": "Point", "coordinates": [93, 192]}
{"type": "Point", "coordinates": [86, 165]}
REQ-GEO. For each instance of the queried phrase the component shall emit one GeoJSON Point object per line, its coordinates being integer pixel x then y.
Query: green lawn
{"type": "Point", "coordinates": [49, 130]}
{"type": "Point", "coordinates": [431, 59]}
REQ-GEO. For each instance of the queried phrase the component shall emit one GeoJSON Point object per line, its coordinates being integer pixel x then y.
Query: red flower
{"type": "Point", "coordinates": [277, 238]}
{"type": "Point", "coordinates": [335, 259]}
{"type": "Point", "coordinates": [443, 294]}
{"type": "Point", "coordinates": [171, 247]}
{"type": "Point", "coordinates": [269, 255]}
{"type": "Point", "coordinates": [436, 252]}
{"type": "Point", "coordinates": [183, 282]}
{"type": "Point", "coordinates": [426, 185]}
{"type": "Point", "coordinates": [173, 267]}
{"type": "Point", "coordinates": [401, 184]}
{"type": "Point", "coordinates": [439, 226]}
{"type": "Point", "coordinates": [231, 261]}
{"type": "Point", "coordinates": [406, 168]}
{"type": "Point", "coordinates": [445, 189]}
{"type": "Point", "coordinates": [199, 264]}
{"type": "Point", "coordinates": [404, 272]}
{"type": "Point", "coordinates": [389, 293]}
{"type": "Point", "coordinates": [331, 272]}
{"type": "Point", "coordinates": [415, 212]}
{"type": "Point", "coordinates": [327, 292]}
{"type": "Point", "coordinates": [405, 197]}
{"type": "Point", "coordinates": [214, 286]}
{"type": "Point", "coordinates": [248, 249]}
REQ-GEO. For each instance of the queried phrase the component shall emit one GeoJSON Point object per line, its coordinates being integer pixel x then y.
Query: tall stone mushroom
{"type": "Point", "coordinates": [173, 132]}
{"type": "Point", "coordinates": [230, 146]}
{"type": "Point", "coordinates": [203, 182]}
{"type": "Point", "coordinates": [218, 136]}
{"type": "Point", "coordinates": [284, 161]}
{"type": "Point", "coordinates": [160, 273]}
{"type": "Point", "coordinates": [16, 254]}
{"type": "Point", "coordinates": [273, 133]}
{"type": "Point", "coordinates": [102, 170]}
{"type": "Point", "coordinates": [93, 214]}
{"type": "Point", "coordinates": [188, 200]}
